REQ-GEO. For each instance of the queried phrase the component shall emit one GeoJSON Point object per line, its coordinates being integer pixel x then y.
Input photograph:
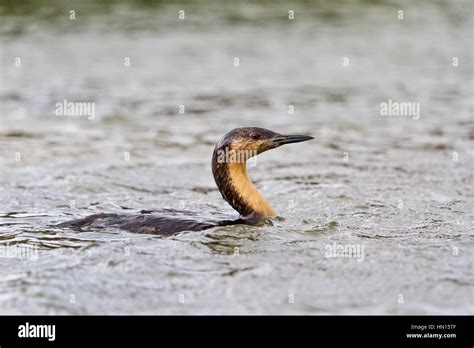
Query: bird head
{"type": "Point", "coordinates": [243, 143]}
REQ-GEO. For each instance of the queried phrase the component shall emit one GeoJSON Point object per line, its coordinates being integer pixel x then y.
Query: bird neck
{"type": "Point", "coordinates": [237, 189]}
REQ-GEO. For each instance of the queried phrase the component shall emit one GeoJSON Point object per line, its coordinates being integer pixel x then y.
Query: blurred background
{"type": "Point", "coordinates": [401, 188]}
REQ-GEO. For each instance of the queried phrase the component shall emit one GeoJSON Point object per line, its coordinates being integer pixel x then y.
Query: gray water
{"type": "Point", "coordinates": [397, 188]}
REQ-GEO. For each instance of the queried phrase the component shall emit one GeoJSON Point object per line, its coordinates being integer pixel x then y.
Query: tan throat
{"type": "Point", "coordinates": [247, 191]}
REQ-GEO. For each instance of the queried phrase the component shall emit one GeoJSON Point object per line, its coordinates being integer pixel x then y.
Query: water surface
{"type": "Point", "coordinates": [400, 188]}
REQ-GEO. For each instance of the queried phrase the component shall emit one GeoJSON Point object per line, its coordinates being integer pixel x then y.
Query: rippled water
{"type": "Point", "coordinates": [401, 189]}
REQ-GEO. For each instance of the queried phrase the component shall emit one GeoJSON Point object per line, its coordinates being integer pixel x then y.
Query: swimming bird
{"type": "Point", "coordinates": [229, 168]}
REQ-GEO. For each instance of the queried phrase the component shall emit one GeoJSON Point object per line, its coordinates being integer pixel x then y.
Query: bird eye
{"type": "Point", "coordinates": [255, 136]}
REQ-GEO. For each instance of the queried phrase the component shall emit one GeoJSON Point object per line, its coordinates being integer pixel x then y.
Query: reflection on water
{"type": "Point", "coordinates": [399, 187]}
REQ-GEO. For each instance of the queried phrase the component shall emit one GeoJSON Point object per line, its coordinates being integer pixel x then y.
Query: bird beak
{"type": "Point", "coordinates": [289, 139]}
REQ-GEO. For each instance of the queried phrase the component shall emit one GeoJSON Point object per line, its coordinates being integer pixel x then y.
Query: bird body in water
{"type": "Point", "coordinates": [229, 167]}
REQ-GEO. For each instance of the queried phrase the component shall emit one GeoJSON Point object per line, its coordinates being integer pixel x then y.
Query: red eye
{"type": "Point", "coordinates": [255, 136]}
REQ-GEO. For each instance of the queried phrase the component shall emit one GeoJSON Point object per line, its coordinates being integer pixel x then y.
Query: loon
{"type": "Point", "coordinates": [229, 162]}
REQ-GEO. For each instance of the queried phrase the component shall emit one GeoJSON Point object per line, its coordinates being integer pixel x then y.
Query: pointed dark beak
{"type": "Point", "coordinates": [289, 139]}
